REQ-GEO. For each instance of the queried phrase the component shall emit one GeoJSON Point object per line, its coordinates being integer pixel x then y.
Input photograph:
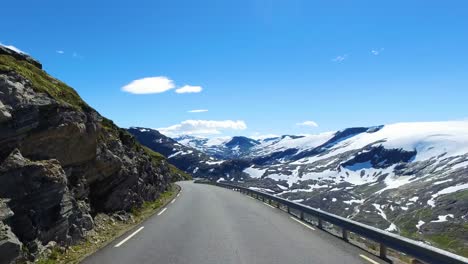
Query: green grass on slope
{"type": "Point", "coordinates": [42, 82]}
{"type": "Point", "coordinates": [449, 240]}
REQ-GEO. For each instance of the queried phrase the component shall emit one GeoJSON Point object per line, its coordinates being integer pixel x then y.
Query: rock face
{"type": "Point", "coordinates": [61, 162]}
{"type": "Point", "coordinates": [10, 246]}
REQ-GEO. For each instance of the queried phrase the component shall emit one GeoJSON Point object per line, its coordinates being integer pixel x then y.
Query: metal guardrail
{"type": "Point", "coordinates": [418, 250]}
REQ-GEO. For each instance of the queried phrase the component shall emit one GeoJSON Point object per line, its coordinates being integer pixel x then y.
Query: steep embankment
{"type": "Point", "coordinates": [61, 162]}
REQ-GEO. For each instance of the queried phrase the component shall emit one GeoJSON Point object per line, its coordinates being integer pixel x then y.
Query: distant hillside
{"type": "Point", "coordinates": [187, 158]}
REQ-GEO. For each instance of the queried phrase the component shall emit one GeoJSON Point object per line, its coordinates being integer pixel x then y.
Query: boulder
{"type": "Point", "coordinates": [10, 246]}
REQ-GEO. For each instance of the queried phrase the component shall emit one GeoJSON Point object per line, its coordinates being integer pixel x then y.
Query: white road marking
{"type": "Point", "coordinates": [178, 195]}
{"type": "Point", "coordinates": [173, 200]}
{"type": "Point", "coordinates": [163, 210]}
{"type": "Point", "coordinates": [302, 223]}
{"type": "Point", "coordinates": [251, 197]}
{"type": "Point", "coordinates": [130, 236]}
{"type": "Point", "coordinates": [368, 259]}
{"type": "Point", "coordinates": [269, 205]}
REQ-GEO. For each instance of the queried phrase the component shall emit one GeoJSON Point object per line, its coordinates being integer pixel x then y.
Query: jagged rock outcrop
{"type": "Point", "coordinates": [61, 162]}
{"type": "Point", "coordinates": [10, 246]}
{"type": "Point", "coordinates": [44, 209]}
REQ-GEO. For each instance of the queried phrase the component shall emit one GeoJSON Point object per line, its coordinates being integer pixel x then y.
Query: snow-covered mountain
{"type": "Point", "coordinates": [409, 178]}
{"type": "Point", "coordinates": [221, 148]}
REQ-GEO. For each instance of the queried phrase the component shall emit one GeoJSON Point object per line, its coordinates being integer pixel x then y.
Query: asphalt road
{"type": "Point", "coordinates": [209, 224]}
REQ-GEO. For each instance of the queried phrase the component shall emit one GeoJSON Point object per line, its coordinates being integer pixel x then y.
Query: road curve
{"type": "Point", "coordinates": [208, 224]}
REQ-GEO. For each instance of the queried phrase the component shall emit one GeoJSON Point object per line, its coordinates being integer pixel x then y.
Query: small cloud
{"type": "Point", "coordinates": [376, 52]}
{"type": "Point", "coordinates": [60, 52]}
{"type": "Point", "coordinates": [202, 127]}
{"type": "Point", "coordinates": [198, 111]}
{"type": "Point", "coordinates": [76, 55]}
{"type": "Point", "coordinates": [189, 89]}
{"type": "Point", "coordinates": [149, 85]}
{"type": "Point", "coordinates": [13, 48]}
{"type": "Point", "coordinates": [340, 58]}
{"type": "Point", "coordinates": [308, 124]}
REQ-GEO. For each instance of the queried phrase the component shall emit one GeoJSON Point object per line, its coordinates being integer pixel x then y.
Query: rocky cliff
{"type": "Point", "coordinates": [61, 162]}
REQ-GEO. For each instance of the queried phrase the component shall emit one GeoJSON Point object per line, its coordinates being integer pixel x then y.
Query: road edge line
{"type": "Point", "coordinates": [128, 238]}
{"type": "Point", "coordinates": [302, 223]}
{"type": "Point", "coordinates": [368, 259]}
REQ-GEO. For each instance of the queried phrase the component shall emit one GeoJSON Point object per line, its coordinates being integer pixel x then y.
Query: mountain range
{"type": "Point", "coordinates": [62, 164]}
{"type": "Point", "coordinates": [406, 178]}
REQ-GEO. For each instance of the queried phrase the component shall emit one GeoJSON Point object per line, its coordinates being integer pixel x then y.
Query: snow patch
{"type": "Point", "coordinates": [381, 212]}
{"type": "Point", "coordinates": [420, 223]}
{"type": "Point", "coordinates": [392, 228]}
{"type": "Point", "coordinates": [354, 201]}
{"type": "Point", "coordinates": [440, 182]}
{"type": "Point", "coordinates": [255, 173]}
{"type": "Point", "coordinates": [442, 218]}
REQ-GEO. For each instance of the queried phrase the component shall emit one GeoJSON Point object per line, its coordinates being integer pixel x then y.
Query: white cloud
{"type": "Point", "coordinates": [308, 124]}
{"type": "Point", "coordinates": [62, 52]}
{"type": "Point", "coordinates": [202, 127]}
{"type": "Point", "coordinates": [377, 52]}
{"type": "Point", "coordinates": [189, 89]}
{"type": "Point", "coordinates": [77, 56]}
{"type": "Point", "coordinates": [198, 111]}
{"type": "Point", "coordinates": [340, 58]}
{"type": "Point", "coordinates": [149, 85]}
{"type": "Point", "coordinates": [13, 48]}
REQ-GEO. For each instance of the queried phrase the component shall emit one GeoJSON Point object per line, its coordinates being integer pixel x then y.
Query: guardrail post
{"type": "Point", "coordinates": [278, 205]}
{"type": "Point", "coordinates": [302, 215]}
{"type": "Point", "coordinates": [320, 224]}
{"type": "Point", "coordinates": [383, 251]}
{"type": "Point", "coordinates": [345, 234]}
{"type": "Point", "coordinates": [289, 209]}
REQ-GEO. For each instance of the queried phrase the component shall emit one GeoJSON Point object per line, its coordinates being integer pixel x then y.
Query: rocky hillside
{"type": "Point", "coordinates": [61, 162]}
{"type": "Point", "coordinates": [407, 178]}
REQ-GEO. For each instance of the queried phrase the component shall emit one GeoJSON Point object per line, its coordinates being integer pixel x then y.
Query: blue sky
{"type": "Point", "coordinates": [269, 64]}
